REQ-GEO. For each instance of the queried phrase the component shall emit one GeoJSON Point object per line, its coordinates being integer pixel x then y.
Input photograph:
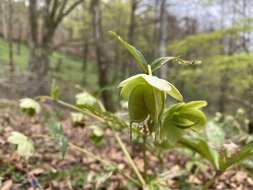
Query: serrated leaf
{"type": "Point", "coordinates": [56, 131]}
{"type": "Point", "coordinates": [137, 55]}
{"type": "Point", "coordinates": [25, 146]}
{"type": "Point", "coordinates": [201, 147]}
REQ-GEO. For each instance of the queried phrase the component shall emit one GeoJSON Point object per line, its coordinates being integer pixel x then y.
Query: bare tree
{"type": "Point", "coordinates": [132, 26]}
{"type": "Point", "coordinates": [10, 27]}
{"type": "Point", "coordinates": [4, 18]}
{"type": "Point", "coordinates": [51, 13]}
{"type": "Point", "coordinates": [160, 31]}
{"type": "Point", "coordinates": [100, 53]}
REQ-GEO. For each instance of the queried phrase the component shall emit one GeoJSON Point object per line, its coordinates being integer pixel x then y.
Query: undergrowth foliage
{"type": "Point", "coordinates": [164, 127]}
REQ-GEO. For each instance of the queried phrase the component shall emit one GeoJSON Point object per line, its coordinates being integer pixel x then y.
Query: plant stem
{"type": "Point", "coordinates": [210, 182]}
{"type": "Point", "coordinates": [103, 161]}
{"type": "Point", "coordinates": [149, 70]}
{"type": "Point", "coordinates": [130, 160]}
{"type": "Point", "coordinates": [122, 146]}
{"type": "Point", "coordinates": [71, 107]}
{"type": "Point", "coordinates": [144, 151]}
{"type": "Point", "coordinates": [95, 157]}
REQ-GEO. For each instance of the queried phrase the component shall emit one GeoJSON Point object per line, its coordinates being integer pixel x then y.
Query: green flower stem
{"type": "Point", "coordinates": [149, 70]}
{"type": "Point", "coordinates": [122, 146]}
{"type": "Point", "coordinates": [95, 157]}
{"type": "Point", "coordinates": [144, 151]}
{"type": "Point", "coordinates": [84, 111]}
{"type": "Point", "coordinates": [103, 161]}
{"type": "Point", "coordinates": [130, 160]}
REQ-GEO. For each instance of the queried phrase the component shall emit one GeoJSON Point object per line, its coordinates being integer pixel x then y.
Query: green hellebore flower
{"type": "Point", "coordinates": [29, 106]}
{"type": "Point", "coordinates": [180, 117]}
{"type": "Point", "coordinates": [146, 96]}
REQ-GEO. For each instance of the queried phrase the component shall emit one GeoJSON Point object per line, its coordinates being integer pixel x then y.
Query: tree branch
{"type": "Point", "coordinates": [63, 13]}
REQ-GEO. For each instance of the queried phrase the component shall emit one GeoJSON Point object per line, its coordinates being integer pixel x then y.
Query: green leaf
{"type": "Point", "coordinates": [175, 93]}
{"type": "Point", "coordinates": [196, 104]}
{"type": "Point", "coordinates": [25, 146]}
{"type": "Point", "coordinates": [162, 85]}
{"type": "Point", "coordinates": [55, 91]}
{"type": "Point", "coordinates": [137, 55]}
{"type": "Point", "coordinates": [202, 148]}
{"type": "Point", "coordinates": [56, 131]}
{"type": "Point", "coordinates": [170, 133]}
{"type": "Point", "coordinates": [157, 63]}
{"type": "Point", "coordinates": [159, 84]}
{"type": "Point", "coordinates": [129, 84]}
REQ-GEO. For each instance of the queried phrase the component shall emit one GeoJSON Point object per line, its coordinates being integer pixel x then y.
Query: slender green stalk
{"type": "Point", "coordinates": [130, 160]}
{"type": "Point", "coordinates": [149, 70]}
{"type": "Point", "coordinates": [103, 161]}
{"type": "Point", "coordinates": [95, 157]}
{"type": "Point", "coordinates": [123, 147]}
{"type": "Point", "coordinates": [71, 107]}
{"type": "Point", "coordinates": [144, 151]}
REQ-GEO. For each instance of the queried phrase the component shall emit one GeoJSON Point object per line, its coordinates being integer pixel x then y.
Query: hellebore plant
{"type": "Point", "coordinates": [146, 95]}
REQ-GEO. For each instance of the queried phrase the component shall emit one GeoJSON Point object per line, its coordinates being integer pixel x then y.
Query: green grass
{"type": "Point", "coordinates": [71, 69]}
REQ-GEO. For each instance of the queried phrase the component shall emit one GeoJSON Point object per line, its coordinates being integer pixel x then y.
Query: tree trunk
{"type": "Point", "coordinates": [100, 54]}
{"type": "Point", "coordinates": [4, 18]}
{"type": "Point", "coordinates": [85, 54]}
{"type": "Point", "coordinates": [38, 66]}
{"type": "Point", "coordinates": [52, 14]}
{"type": "Point", "coordinates": [10, 43]}
{"type": "Point", "coordinates": [85, 59]}
{"type": "Point", "coordinates": [20, 30]}
{"type": "Point", "coordinates": [131, 31]}
{"type": "Point", "coordinates": [163, 35]}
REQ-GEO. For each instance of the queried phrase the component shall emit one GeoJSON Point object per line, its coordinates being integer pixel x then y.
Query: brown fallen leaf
{"type": "Point", "coordinates": [7, 185]}
{"type": "Point", "coordinates": [36, 172]}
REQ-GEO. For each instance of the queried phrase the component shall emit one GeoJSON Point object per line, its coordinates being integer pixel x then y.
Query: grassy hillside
{"type": "Point", "coordinates": [71, 69]}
